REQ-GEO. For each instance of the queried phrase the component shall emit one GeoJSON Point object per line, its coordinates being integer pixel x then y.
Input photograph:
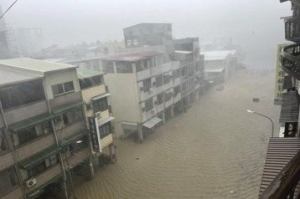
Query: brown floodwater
{"type": "Point", "coordinates": [215, 150]}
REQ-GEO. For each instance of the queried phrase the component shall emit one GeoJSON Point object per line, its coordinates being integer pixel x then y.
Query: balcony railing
{"type": "Point", "coordinates": [292, 29]}
{"type": "Point", "coordinates": [67, 99]}
{"type": "Point", "coordinates": [144, 74]}
{"type": "Point", "coordinates": [291, 60]}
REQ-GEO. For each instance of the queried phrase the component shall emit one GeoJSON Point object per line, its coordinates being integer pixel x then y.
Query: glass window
{"type": "Point", "coordinates": [147, 85]}
{"type": "Point", "coordinates": [100, 105]}
{"type": "Point", "coordinates": [159, 80]}
{"type": "Point", "coordinates": [148, 104]}
{"type": "Point", "coordinates": [8, 180]}
{"type": "Point", "coordinates": [105, 130]}
{"type": "Point", "coordinates": [57, 89]}
{"type": "Point", "coordinates": [68, 86]}
{"type": "Point", "coordinates": [160, 98]}
{"type": "Point", "coordinates": [72, 116]}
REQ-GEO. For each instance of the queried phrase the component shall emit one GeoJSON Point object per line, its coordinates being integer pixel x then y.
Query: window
{"type": "Point", "coordinates": [8, 180]}
{"type": "Point", "coordinates": [27, 135]}
{"type": "Point", "coordinates": [159, 80]}
{"type": "Point", "coordinates": [3, 143]}
{"type": "Point", "coordinates": [78, 145]}
{"type": "Point", "coordinates": [105, 130]}
{"type": "Point", "coordinates": [124, 67]}
{"type": "Point", "coordinates": [147, 85]}
{"type": "Point", "coordinates": [90, 82]}
{"type": "Point", "coordinates": [21, 94]}
{"type": "Point", "coordinates": [160, 98]}
{"type": "Point", "coordinates": [167, 79]}
{"type": "Point", "coordinates": [107, 67]}
{"type": "Point", "coordinates": [168, 96]}
{"type": "Point", "coordinates": [72, 116]}
{"type": "Point", "coordinates": [59, 89]}
{"type": "Point", "coordinates": [148, 104]}
{"type": "Point", "coordinates": [100, 105]}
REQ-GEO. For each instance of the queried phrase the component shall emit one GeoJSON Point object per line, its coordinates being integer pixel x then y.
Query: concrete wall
{"type": "Point", "coordinates": [60, 77]}
{"type": "Point", "coordinates": [124, 99]}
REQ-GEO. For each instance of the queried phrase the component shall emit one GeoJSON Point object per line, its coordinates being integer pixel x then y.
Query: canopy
{"type": "Point", "coordinates": [152, 122]}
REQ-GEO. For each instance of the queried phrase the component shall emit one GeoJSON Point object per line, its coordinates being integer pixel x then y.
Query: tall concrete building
{"type": "Point", "coordinates": [43, 131]}
{"type": "Point", "coordinates": [151, 82]}
{"type": "Point", "coordinates": [147, 34]}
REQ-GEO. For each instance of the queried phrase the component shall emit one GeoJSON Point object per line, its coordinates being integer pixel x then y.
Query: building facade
{"type": "Point", "coordinates": [149, 85]}
{"type": "Point", "coordinates": [43, 129]}
{"type": "Point", "coordinates": [147, 34]}
{"type": "Point", "coordinates": [97, 108]}
{"type": "Point", "coordinates": [281, 175]}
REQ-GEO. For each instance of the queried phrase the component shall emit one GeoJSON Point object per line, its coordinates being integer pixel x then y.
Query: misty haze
{"type": "Point", "coordinates": [149, 99]}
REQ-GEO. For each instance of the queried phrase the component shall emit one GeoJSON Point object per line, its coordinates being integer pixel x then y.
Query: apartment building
{"type": "Point", "coordinates": [151, 82]}
{"type": "Point", "coordinates": [281, 175]}
{"type": "Point", "coordinates": [43, 129]}
{"type": "Point", "coordinates": [147, 34]}
{"type": "Point", "coordinates": [97, 111]}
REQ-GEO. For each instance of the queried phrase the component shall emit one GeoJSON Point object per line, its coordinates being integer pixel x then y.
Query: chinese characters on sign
{"type": "Point", "coordinates": [95, 135]}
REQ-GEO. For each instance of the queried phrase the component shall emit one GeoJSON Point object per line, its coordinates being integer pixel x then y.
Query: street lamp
{"type": "Point", "coordinates": [249, 111]}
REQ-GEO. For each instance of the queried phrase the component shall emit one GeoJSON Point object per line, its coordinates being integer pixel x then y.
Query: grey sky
{"type": "Point", "coordinates": [70, 21]}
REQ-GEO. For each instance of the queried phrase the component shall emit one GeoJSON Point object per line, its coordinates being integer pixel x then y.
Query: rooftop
{"type": "Point", "coordinates": [134, 56]}
{"type": "Point", "coordinates": [82, 73]}
{"type": "Point", "coordinates": [217, 55]}
{"type": "Point", "coordinates": [147, 24]}
{"type": "Point", "coordinates": [8, 77]}
{"type": "Point", "coordinates": [34, 65]}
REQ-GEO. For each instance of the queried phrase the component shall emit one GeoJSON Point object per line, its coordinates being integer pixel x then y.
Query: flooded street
{"type": "Point", "coordinates": [215, 150]}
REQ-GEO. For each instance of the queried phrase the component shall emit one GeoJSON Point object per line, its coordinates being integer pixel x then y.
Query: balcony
{"type": "Point", "coordinates": [166, 67]}
{"type": "Point", "coordinates": [6, 160]}
{"type": "Point", "coordinates": [168, 85]}
{"type": "Point", "coordinates": [175, 65]}
{"type": "Point", "coordinates": [177, 98]}
{"type": "Point", "coordinates": [79, 157]}
{"type": "Point", "coordinates": [35, 146]}
{"type": "Point", "coordinates": [107, 140]}
{"type": "Point", "coordinates": [24, 112]}
{"type": "Point", "coordinates": [160, 107]}
{"type": "Point", "coordinates": [147, 94]}
{"type": "Point", "coordinates": [72, 130]}
{"type": "Point", "coordinates": [176, 81]}
{"type": "Point", "coordinates": [292, 29]}
{"type": "Point", "coordinates": [169, 102]}
{"type": "Point", "coordinates": [45, 177]}
{"type": "Point", "coordinates": [156, 71]}
{"type": "Point", "coordinates": [67, 99]}
{"type": "Point", "coordinates": [144, 74]}
{"type": "Point", "coordinates": [290, 60]}
{"type": "Point", "coordinates": [149, 114]}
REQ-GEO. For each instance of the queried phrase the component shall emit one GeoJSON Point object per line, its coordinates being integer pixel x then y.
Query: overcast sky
{"type": "Point", "coordinates": [249, 22]}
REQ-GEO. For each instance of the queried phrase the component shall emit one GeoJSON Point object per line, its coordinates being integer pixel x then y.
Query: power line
{"type": "Point", "coordinates": [8, 9]}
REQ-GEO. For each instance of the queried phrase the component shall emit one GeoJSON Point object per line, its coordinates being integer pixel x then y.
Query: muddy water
{"type": "Point", "coordinates": [215, 150]}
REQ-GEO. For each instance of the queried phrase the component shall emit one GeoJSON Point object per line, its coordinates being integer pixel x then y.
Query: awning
{"type": "Point", "coordinates": [129, 126]}
{"type": "Point", "coordinates": [280, 152]}
{"type": "Point", "coordinates": [152, 122]}
{"type": "Point", "coordinates": [289, 108]}
{"type": "Point", "coordinates": [100, 96]}
{"type": "Point", "coordinates": [39, 157]}
{"type": "Point", "coordinates": [288, 82]}
{"type": "Point", "coordinates": [101, 122]}
{"type": "Point", "coordinates": [74, 138]}
{"type": "Point", "coordinates": [30, 122]}
{"type": "Point", "coordinates": [66, 108]}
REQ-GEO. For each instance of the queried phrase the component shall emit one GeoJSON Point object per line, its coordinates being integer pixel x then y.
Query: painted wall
{"type": "Point", "coordinates": [60, 77]}
{"type": "Point", "coordinates": [124, 99]}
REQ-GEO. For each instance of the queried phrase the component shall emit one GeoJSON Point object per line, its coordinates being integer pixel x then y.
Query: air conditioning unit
{"type": "Point", "coordinates": [31, 182]}
{"type": "Point", "coordinates": [98, 115]}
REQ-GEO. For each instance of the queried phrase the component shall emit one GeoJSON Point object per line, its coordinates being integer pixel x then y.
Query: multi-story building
{"type": "Point", "coordinates": [43, 129]}
{"type": "Point", "coordinates": [95, 95]}
{"type": "Point", "coordinates": [147, 34]}
{"type": "Point", "coordinates": [281, 175]}
{"type": "Point", "coordinates": [150, 84]}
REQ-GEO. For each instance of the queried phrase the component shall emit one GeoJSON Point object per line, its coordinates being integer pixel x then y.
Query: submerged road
{"type": "Point", "coordinates": [215, 150]}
